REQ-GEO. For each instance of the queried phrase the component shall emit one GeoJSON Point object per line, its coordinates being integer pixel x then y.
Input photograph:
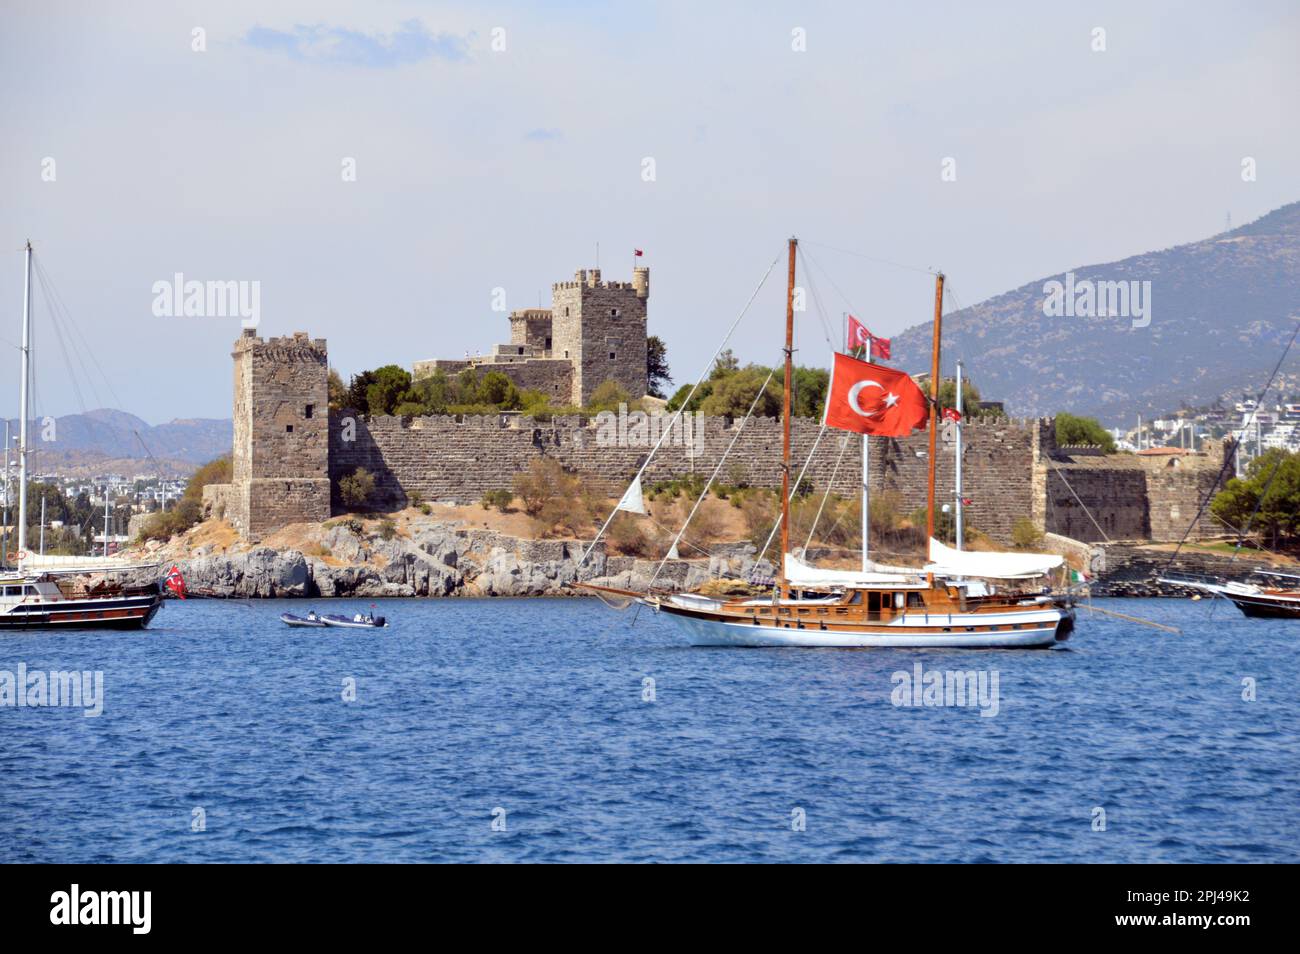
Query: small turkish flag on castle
{"type": "Point", "coordinates": [871, 399]}
{"type": "Point", "coordinates": [637, 252]}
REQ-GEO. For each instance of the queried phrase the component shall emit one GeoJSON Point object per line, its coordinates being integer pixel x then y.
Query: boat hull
{"type": "Point", "coordinates": [1265, 608]}
{"type": "Point", "coordinates": [133, 612]}
{"type": "Point", "coordinates": [337, 622]}
{"type": "Point", "coordinates": [1038, 631]}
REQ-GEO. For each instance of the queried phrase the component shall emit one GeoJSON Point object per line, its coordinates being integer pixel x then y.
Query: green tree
{"type": "Point", "coordinates": [726, 364]}
{"type": "Point", "coordinates": [1073, 430]}
{"type": "Point", "coordinates": [1278, 514]}
{"type": "Point", "coordinates": [679, 397]}
{"type": "Point", "coordinates": [607, 397]}
{"type": "Point", "coordinates": [970, 395]}
{"type": "Point", "coordinates": [810, 386]}
{"type": "Point", "coordinates": [466, 391]}
{"type": "Point", "coordinates": [338, 393]}
{"type": "Point", "coordinates": [656, 366]}
{"type": "Point", "coordinates": [433, 392]}
{"type": "Point", "coordinates": [734, 393]}
{"type": "Point", "coordinates": [357, 387]}
{"type": "Point", "coordinates": [499, 390]}
{"type": "Point", "coordinates": [390, 383]}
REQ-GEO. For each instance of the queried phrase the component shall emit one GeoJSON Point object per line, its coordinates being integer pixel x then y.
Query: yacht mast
{"type": "Point", "coordinates": [934, 404]}
{"type": "Point", "coordinates": [785, 421]}
{"type": "Point", "coordinates": [957, 426]}
{"type": "Point", "coordinates": [23, 402]}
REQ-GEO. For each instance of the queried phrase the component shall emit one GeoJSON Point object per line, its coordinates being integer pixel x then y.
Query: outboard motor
{"type": "Point", "coordinates": [379, 621]}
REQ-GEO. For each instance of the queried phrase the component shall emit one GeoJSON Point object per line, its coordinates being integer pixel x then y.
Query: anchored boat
{"type": "Point", "coordinates": [1272, 602]}
{"type": "Point", "coordinates": [39, 593]}
{"type": "Point", "coordinates": [958, 599]}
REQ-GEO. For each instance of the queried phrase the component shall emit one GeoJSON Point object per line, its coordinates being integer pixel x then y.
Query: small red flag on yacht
{"type": "Point", "coordinates": [175, 582]}
{"type": "Point", "coordinates": [880, 348]}
{"type": "Point", "coordinates": [858, 334]}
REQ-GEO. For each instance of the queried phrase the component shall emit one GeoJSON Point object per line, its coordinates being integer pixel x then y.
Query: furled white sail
{"type": "Point", "coordinates": [799, 573]}
{"type": "Point", "coordinates": [632, 500]}
{"type": "Point", "coordinates": [945, 561]}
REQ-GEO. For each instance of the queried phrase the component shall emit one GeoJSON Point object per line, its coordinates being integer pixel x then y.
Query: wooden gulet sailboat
{"type": "Point", "coordinates": [948, 603]}
{"type": "Point", "coordinates": [40, 594]}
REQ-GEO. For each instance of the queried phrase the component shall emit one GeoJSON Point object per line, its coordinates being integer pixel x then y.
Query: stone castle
{"type": "Point", "coordinates": [594, 331]}
{"type": "Point", "coordinates": [290, 451]}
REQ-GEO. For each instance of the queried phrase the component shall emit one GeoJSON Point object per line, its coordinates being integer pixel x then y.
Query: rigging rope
{"type": "Point", "coordinates": [1235, 450]}
{"type": "Point", "coordinates": [844, 445]}
{"type": "Point", "coordinates": [712, 477]}
{"type": "Point", "coordinates": [794, 490]}
{"type": "Point", "coordinates": [685, 404]}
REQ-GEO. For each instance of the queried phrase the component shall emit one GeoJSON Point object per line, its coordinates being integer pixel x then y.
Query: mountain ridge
{"type": "Point", "coordinates": [1222, 310]}
{"type": "Point", "coordinates": [108, 433]}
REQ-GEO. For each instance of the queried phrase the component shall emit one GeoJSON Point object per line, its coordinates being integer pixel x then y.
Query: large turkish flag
{"type": "Point", "coordinates": [873, 399]}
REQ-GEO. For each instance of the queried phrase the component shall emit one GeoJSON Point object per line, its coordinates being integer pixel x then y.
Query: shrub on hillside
{"type": "Point", "coordinates": [627, 537]}
{"type": "Point", "coordinates": [355, 488]}
{"type": "Point", "coordinates": [189, 509]}
{"type": "Point", "coordinates": [498, 499]}
{"type": "Point", "coordinates": [537, 485]}
{"type": "Point", "coordinates": [1025, 535]}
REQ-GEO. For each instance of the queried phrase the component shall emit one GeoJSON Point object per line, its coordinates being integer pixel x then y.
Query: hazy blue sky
{"type": "Point", "coordinates": [478, 169]}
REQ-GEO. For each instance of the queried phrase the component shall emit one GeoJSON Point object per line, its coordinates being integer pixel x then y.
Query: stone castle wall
{"type": "Point", "coordinates": [447, 460]}
{"type": "Point", "coordinates": [1132, 497]}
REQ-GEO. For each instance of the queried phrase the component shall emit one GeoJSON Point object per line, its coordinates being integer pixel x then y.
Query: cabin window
{"type": "Point", "coordinates": [914, 599]}
{"type": "Point", "coordinates": [856, 598]}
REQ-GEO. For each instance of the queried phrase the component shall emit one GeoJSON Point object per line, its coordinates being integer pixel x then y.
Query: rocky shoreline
{"type": "Point", "coordinates": [451, 560]}
{"type": "Point", "coordinates": [438, 562]}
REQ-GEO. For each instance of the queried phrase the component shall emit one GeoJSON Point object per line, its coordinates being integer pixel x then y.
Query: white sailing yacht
{"type": "Point", "coordinates": [42, 592]}
{"type": "Point", "coordinates": [958, 599]}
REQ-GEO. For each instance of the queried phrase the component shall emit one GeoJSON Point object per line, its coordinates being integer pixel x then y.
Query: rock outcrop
{"type": "Point", "coordinates": [441, 561]}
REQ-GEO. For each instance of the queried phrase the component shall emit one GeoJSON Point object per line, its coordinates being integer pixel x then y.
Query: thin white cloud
{"type": "Point", "coordinates": [412, 42]}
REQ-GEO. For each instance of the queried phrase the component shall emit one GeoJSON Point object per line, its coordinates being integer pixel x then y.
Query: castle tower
{"type": "Point", "coordinates": [601, 328]}
{"type": "Point", "coordinates": [280, 471]}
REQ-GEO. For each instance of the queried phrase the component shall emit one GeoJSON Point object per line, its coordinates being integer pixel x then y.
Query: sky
{"type": "Point", "coordinates": [500, 146]}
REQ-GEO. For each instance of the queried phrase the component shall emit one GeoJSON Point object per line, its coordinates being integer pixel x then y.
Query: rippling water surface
{"type": "Point", "coordinates": [536, 707]}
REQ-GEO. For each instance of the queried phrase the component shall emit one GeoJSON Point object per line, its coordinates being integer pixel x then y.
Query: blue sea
{"type": "Point", "coordinates": [560, 730]}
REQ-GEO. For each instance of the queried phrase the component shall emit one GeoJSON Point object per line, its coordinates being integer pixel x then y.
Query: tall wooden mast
{"type": "Point", "coordinates": [934, 404]}
{"type": "Point", "coordinates": [785, 421]}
